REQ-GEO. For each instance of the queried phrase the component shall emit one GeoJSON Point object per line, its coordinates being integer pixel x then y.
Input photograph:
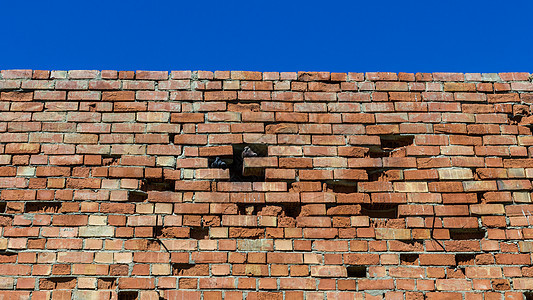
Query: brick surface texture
{"type": "Point", "coordinates": [133, 185]}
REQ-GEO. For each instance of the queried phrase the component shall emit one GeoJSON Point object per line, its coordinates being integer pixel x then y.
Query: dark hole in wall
{"type": "Point", "coordinates": [236, 167]}
{"type": "Point", "coordinates": [154, 184]}
{"type": "Point", "coordinates": [479, 194]}
{"type": "Point", "coordinates": [2, 207]}
{"type": "Point", "coordinates": [409, 259]}
{"type": "Point", "coordinates": [341, 187]}
{"type": "Point", "coordinates": [356, 271]}
{"type": "Point", "coordinates": [291, 210]}
{"type": "Point", "coordinates": [137, 196]}
{"type": "Point", "coordinates": [391, 144]}
{"type": "Point", "coordinates": [248, 209]}
{"type": "Point", "coordinates": [515, 119]}
{"type": "Point", "coordinates": [107, 283]}
{"type": "Point", "coordinates": [199, 233]}
{"type": "Point", "coordinates": [128, 295]}
{"type": "Point", "coordinates": [171, 136]}
{"type": "Point", "coordinates": [467, 234]}
{"type": "Point", "coordinates": [380, 210]}
{"type": "Point", "coordinates": [375, 174]}
{"type": "Point", "coordinates": [465, 259]}
{"type": "Point", "coordinates": [528, 295]}
{"type": "Point", "coordinates": [182, 269]}
{"type": "Point", "coordinates": [42, 207]}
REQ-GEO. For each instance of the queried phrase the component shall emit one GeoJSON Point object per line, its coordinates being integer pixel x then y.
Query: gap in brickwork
{"type": "Point", "coordinates": [110, 159]}
{"type": "Point", "coordinates": [171, 137]}
{"type": "Point", "coordinates": [128, 295]}
{"type": "Point", "coordinates": [409, 259]}
{"type": "Point", "coordinates": [376, 174]}
{"type": "Point", "coordinates": [467, 234]}
{"type": "Point", "coordinates": [291, 210]}
{"type": "Point", "coordinates": [3, 207]}
{"type": "Point", "coordinates": [137, 196]}
{"type": "Point", "coordinates": [107, 283]}
{"type": "Point", "coordinates": [380, 210]}
{"type": "Point", "coordinates": [247, 209]}
{"type": "Point", "coordinates": [356, 271]}
{"type": "Point", "coordinates": [390, 144]}
{"type": "Point", "coordinates": [199, 232]}
{"type": "Point", "coordinates": [157, 184]}
{"type": "Point", "coordinates": [185, 269]}
{"type": "Point", "coordinates": [383, 174]}
{"type": "Point", "coordinates": [465, 259]}
{"type": "Point", "coordinates": [528, 295]}
{"type": "Point", "coordinates": [479, 195]}
{"type": "Point", "coordinates": [343, 187]}
{"type": "Point", "coordinates": [519, 112]}
{"type": "Point", "coordinates": [42, 207]}
{"type": "Point", "coordinates": [236, 169]}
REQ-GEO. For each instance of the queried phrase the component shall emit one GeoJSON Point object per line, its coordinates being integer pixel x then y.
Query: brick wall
{"type": "Point", "coordinates": [132, 185]}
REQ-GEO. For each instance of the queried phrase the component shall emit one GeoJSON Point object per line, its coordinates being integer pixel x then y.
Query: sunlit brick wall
{"type": "Point", "coordinates": [248, 185]}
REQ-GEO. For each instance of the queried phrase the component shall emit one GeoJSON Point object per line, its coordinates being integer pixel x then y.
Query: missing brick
{"type": "Point", "coordinates": [171, 136]}
{"type": "Point", "coordinates": [291, 210]}
{"type": "Point", "coordinates": [179, 269]}
{"type": "Point", "coordinates": [247, 209]}
{"type": "Point", "coordinates": [383, 174]}
{"type": "Point", "coordinates": [480, 196]}
{"type": "Point", "coordinates": [467, 234]}
{"type": "Point", "coordinates": [2, 207]}
{"type": "Point", "coordinates": [528, 295]}
{"type": "Point", "coordinates": [342, 187]}
{"type": "Point", "coordinates": [137, 196]}
{"type": "Point", "coordinates": [356, 271]}
{"type": "Point", "coordinates": [110, 159]}
{"type": "Point", "coordinates": [375, 174]}
{"type": "Point", "coordinates": [391, 145]}
{"type": "Point", "coordinates": [236, 168]}
{"type": "Point", "coordinates": [107, 283]}
{"type": "Point", "coordinates": [42, 207]}
{"type": "Point", "coordinates": [157, 184]}
{"type": "Point", "coordinates": [465, 259]}
{"type": "Point", "coordinates": [409, 259]}
{"type": "Point", "coordinates": [185, 269]}
{"type": "Point", "coordinates": [199, 233]}
{"type": "Point", "coordinates": [515, 119]}
{"type": "Point", "coordinates": [391, 142]}
{"type": "Point", "coordinates": [219, 163]}
{"type": "Point", "coordinates": [380, 210]}
{"type": "Point", "coordinates": [519, 112]}
{"type": "Point", "coordinates": [128, 295]}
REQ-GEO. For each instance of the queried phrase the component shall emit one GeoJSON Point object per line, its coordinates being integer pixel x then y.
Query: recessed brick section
{"type": "Point", "coordinates": [138, 185]}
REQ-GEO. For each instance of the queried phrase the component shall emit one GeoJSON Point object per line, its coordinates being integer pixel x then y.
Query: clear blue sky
{"type": "Point", "coordinates": [337, 36]}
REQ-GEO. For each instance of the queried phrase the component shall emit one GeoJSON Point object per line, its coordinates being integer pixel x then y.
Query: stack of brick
{"type": "Point", "coordinates": [364, 186]}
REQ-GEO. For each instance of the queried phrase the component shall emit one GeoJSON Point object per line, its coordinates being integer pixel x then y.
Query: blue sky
{"type": "Point", "coordinates": [337, 36]}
